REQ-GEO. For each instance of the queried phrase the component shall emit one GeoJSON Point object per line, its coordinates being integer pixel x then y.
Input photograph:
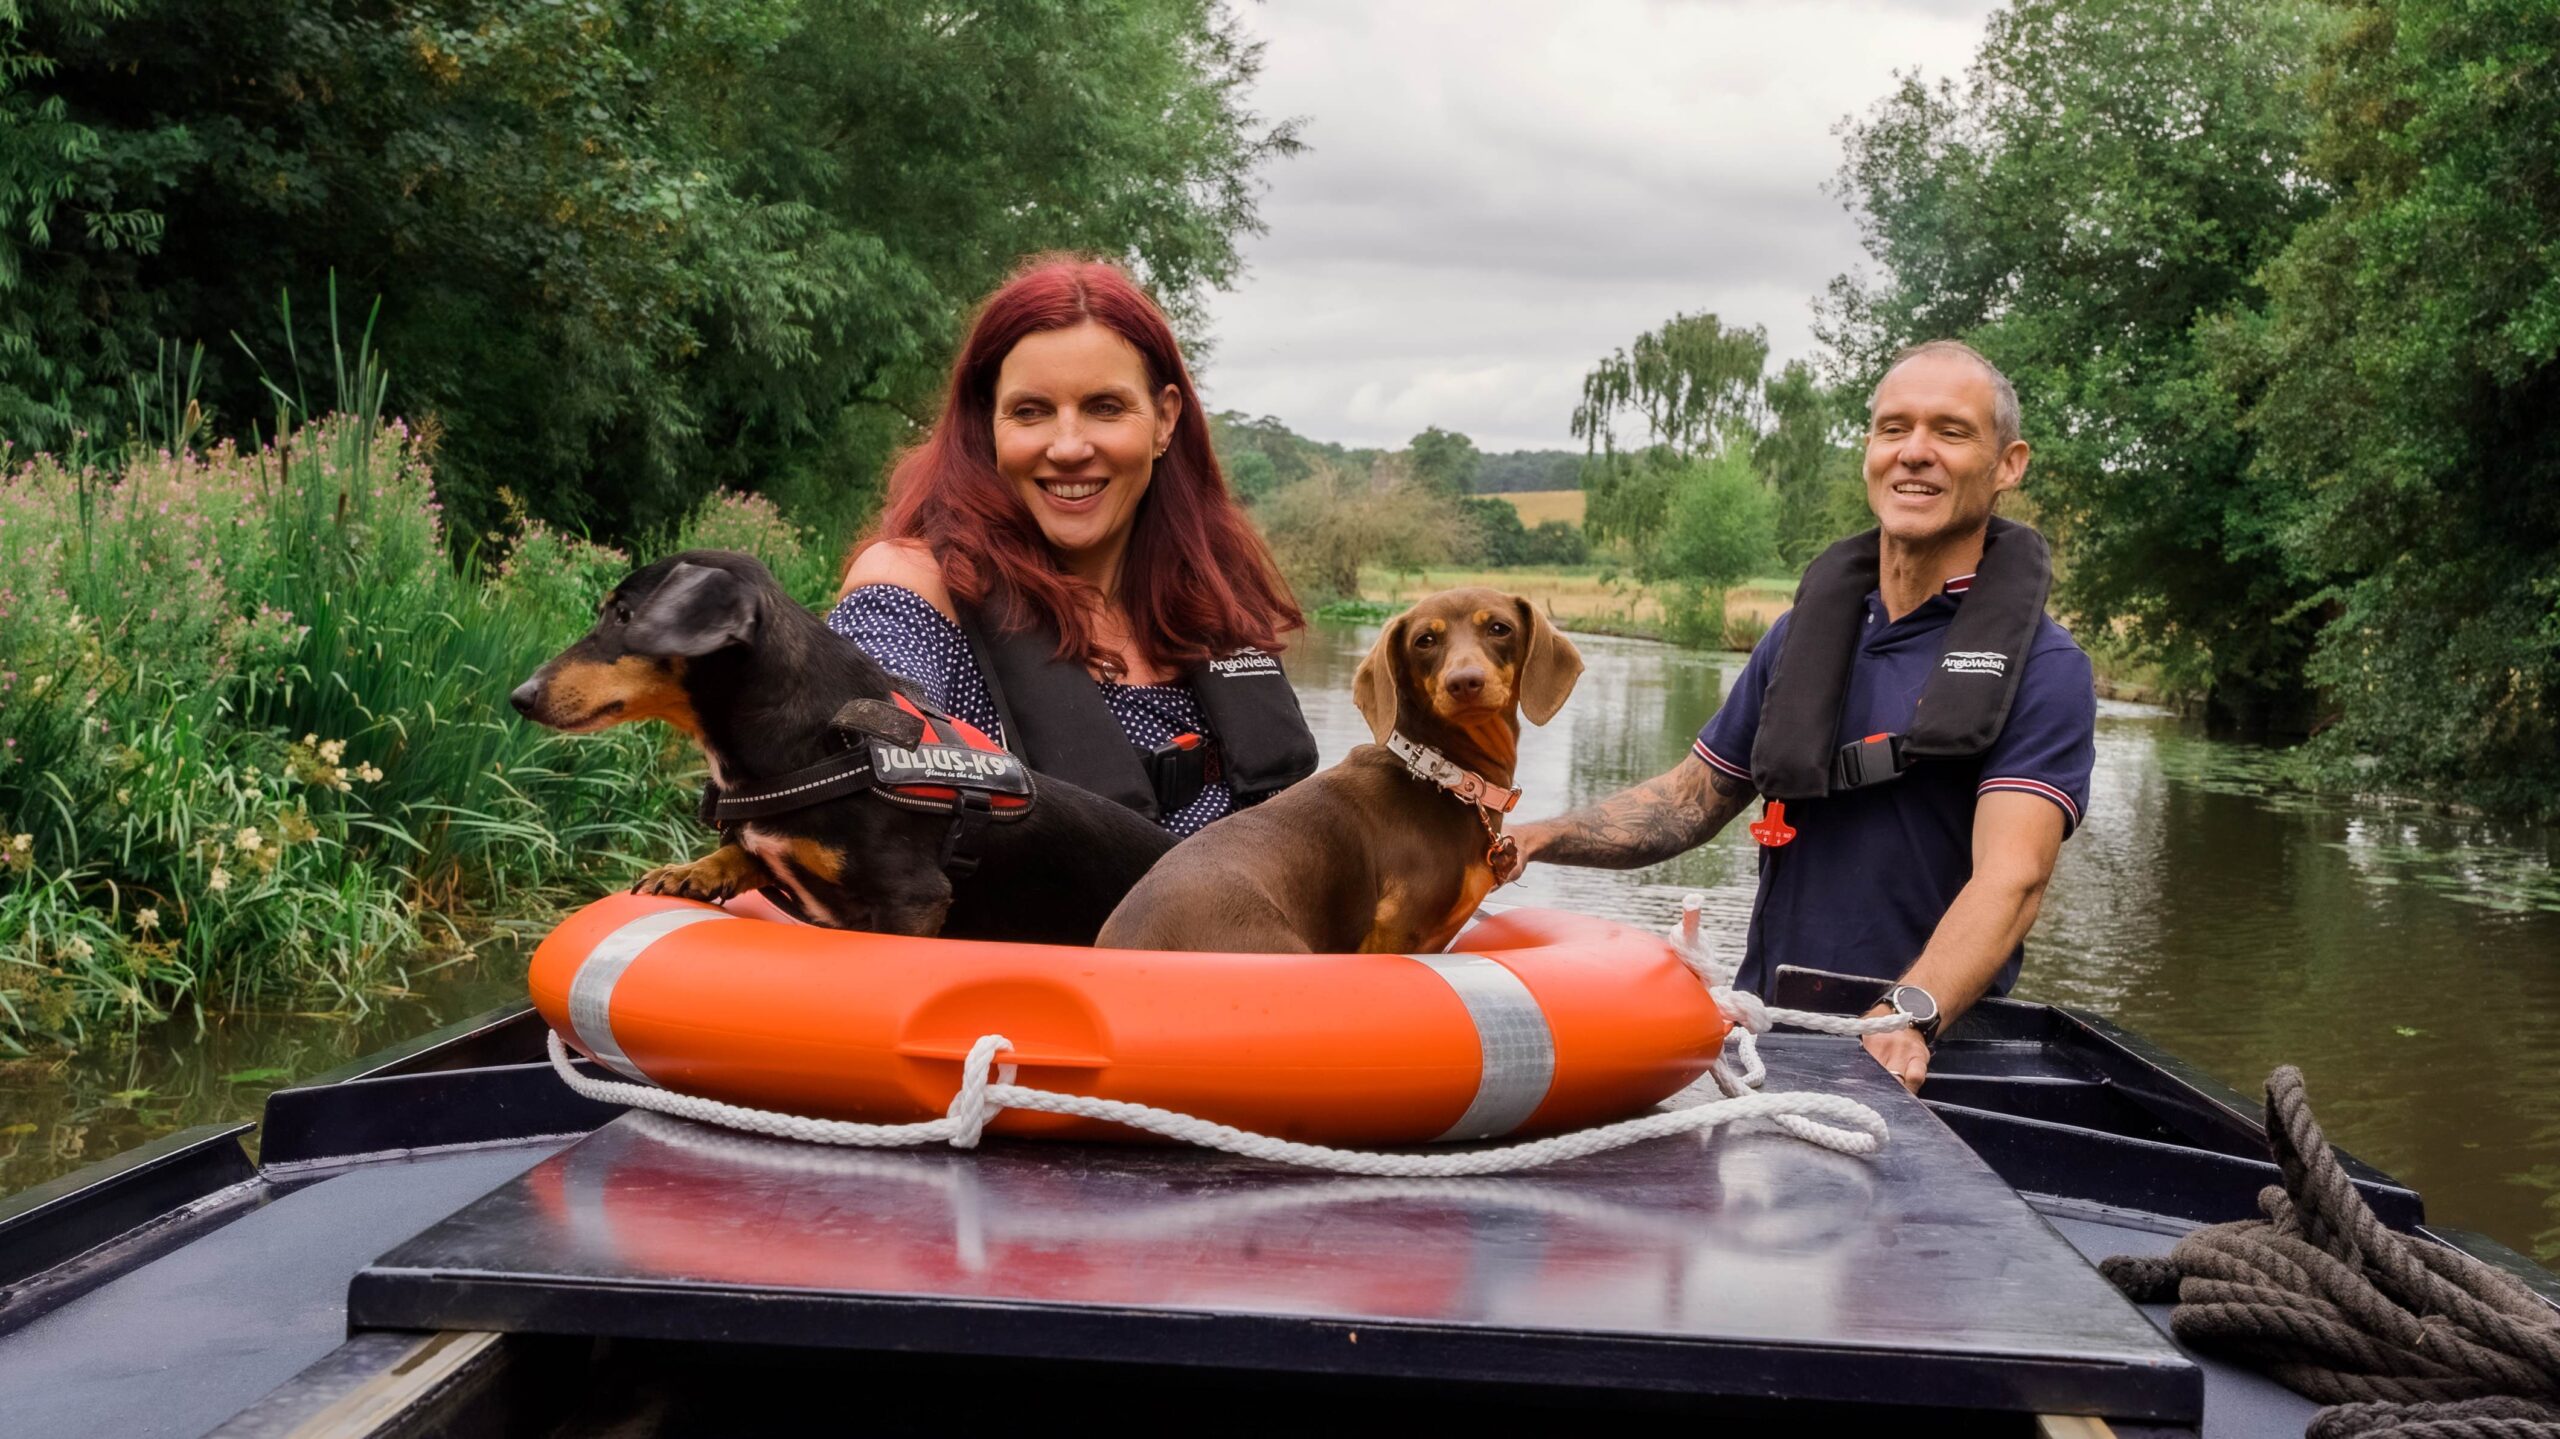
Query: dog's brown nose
{"type": "Point", "coordinates": [525, 694]}
{"type": "Point", "coordinates": [1465, 684]}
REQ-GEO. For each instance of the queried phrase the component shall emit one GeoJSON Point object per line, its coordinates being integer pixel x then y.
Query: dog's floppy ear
{"type": "Point", "coordinates": [881, 720]}
{"type": "Point", "coordinates": [695, 610]}
{"type": "Point", "coordinates": [1373, 688]}
{"type": "Point", "coordinates": [1548, 666]}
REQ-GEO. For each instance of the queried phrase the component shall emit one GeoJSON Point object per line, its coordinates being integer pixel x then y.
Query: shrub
{"type": "Point", "coordinates": [1323, 528]}
{"type": "Point", "coordinates": [254, 738]}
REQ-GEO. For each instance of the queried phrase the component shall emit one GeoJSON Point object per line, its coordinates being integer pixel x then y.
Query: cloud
{"type": "Point", "coordinates": [1498, 193]}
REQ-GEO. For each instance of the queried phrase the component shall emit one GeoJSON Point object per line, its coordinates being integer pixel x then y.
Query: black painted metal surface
{"type": "Point", "coordinates": [393, 1113]}
{"type": "Point", "coordinates": [1744, 1265]}
{"type": "Point", "coordinates": [43, 1226]}
{"type": "Point", "coordinates": [185, 1341]}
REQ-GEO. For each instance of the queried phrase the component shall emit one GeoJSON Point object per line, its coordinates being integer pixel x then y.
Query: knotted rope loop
{"type": "Point", "coordinates": [2405, 1338]}
{"type": "Point", "coordinates": [1749, 1015]}
{"type": "Point", "coordinates": [970, 1109]}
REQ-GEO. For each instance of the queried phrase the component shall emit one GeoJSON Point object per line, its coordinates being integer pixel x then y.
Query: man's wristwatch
{"type": "Point", "coordinates": [1917, 1005]}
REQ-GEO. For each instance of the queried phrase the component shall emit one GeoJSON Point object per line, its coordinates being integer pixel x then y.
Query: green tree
{"type": "Point", "coordinates": [1723, 525]}
{"type": "Point", "coordinates": [628, 250]}
{"type": "Point", "coordinates": [2110, 176]}
{"type": "Point", "coordinates": [1695, 386]}
{"type": "Point", "coordinates": [1817, 479]}
{"type": "Point", "coordinates": [2402, 374]}
{"type": "Point", "coordinates": [1445, 461]}
{"type": "Point", "coordinates": [1500, 539]}
{"type": "Point", "coordinates": [1556, 542]}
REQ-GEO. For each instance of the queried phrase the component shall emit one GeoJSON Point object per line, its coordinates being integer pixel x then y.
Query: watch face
{"type": "Point", "coordinates": [1915, 1002]}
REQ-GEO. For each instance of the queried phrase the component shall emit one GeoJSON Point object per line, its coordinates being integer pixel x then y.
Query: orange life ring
{"type": "Point", "coordinates": [1536, 1021]}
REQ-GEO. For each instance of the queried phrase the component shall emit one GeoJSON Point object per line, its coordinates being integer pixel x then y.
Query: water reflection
{"type": "Point", "coordinates": [2409, 962]}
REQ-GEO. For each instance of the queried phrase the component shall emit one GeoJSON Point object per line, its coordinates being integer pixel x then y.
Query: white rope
{"type": "Point", "coordinates": [1749, 1017]}
{"type": "Point", "coordinates": [1745, 1011]}
{"type": "Point", "coordinates": [1832, 1121]}
{"type": "Point", "coordinates": [1835, 1122]}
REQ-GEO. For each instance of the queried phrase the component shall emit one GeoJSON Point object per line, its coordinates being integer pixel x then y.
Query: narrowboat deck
{"type": "Point", "coordinates": [445, 1240]}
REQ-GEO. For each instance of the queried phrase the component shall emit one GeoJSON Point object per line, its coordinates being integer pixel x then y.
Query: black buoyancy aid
{"type": "Point", "coordinates": [1796, 752]}
{"type": "Point", "coordinates": [1263, 743]}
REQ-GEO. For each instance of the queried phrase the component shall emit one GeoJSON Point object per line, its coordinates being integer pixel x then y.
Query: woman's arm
{"type": "Point", "coordinates": [908, 564]}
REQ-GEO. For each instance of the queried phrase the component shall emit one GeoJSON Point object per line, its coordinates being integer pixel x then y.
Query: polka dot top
{"type": "Point", "coordinates": [911, 639]}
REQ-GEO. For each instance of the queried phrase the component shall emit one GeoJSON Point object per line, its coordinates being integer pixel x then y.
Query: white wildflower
{"type": "Point", "coordinates": [219, 880]}
{"type": "Point", "coordinates": [368, 773]}
{"type": "Point", "coordinates": [21, 843]}
{"type": "Point", "coordinates": [248, 840]}
{"type": "Point", "coordinates": [77, 948]}
{"type": "Point", "coordinates": [146, 920]}
{"type": "Point", "coordinates": [331, 751]}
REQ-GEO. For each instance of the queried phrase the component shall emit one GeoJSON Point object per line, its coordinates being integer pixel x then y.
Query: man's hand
{"type": "Point", "coordinates": [1902, 1052]}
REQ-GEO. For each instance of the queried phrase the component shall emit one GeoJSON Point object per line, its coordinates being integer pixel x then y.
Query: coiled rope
{"type": "Point", "coordinates": [2405, 1338]}
{"type": "Point", "coordinates": [987, 1085]}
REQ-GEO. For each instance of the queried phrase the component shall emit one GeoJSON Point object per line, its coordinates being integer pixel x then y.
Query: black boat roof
{"type": "Point", "coordinates": [409, 1208]}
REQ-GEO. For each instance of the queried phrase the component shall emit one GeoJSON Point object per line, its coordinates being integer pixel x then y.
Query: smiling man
{"type": "Point", "coordinates": [1906, 841]}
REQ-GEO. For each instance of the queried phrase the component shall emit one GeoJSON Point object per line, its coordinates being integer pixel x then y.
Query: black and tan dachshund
{"type": "Point", "coordinates": [710, 643]}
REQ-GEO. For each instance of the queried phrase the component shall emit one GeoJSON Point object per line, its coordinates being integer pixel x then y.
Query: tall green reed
{"type": "Point", "coordinates": [254, 740]}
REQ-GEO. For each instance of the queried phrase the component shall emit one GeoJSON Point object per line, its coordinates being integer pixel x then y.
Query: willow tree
{"type": "Point", "coordinates": [1691, 389]}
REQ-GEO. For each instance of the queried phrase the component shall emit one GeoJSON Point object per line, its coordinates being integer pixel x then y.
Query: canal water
{"type": "Point", "coordinates": [2408, 961]}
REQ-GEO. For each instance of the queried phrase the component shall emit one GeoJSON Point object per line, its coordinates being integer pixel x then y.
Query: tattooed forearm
{"type": "Point", "coordinates": [1648, 823]}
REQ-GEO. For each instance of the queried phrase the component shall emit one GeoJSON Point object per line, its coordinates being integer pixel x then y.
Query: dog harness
{"type": "Point", "coordinates": [1481, 794]}
{"type": "Point", "coordinates": [906, 754]}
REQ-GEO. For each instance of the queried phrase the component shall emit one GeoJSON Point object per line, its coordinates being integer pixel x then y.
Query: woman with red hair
{"type": "Point", "coordinates": [1060, 563]}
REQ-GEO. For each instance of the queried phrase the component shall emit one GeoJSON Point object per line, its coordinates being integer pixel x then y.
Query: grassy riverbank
{"type": "Point", "coordinates": [254, 741]}
{"type": "Point", "coordinates": [1593, 599]}
{"type": "Point", "coordinates": [1590, 600]}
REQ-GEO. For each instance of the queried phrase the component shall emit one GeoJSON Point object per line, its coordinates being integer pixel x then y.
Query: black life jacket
{"type": "Point", "coordinates": [1795, 755]}
{"type": "Point", "coordinates": [1055, 719]}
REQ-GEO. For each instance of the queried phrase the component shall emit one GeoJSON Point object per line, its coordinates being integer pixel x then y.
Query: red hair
{"type": "Point", "coordinates": [1196, 580]}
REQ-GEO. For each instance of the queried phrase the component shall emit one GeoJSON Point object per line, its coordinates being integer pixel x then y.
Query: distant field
{"type": "Point", "coordinates": [1536, 507]}
{"type": "Point", "coordinates": [1577, 596]}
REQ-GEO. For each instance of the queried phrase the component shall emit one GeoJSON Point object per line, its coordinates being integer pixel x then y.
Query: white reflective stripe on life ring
{"type": "Point", "coordinates": [1519, 1050]}
{"type": "Point", "coordinates": [591, 992]}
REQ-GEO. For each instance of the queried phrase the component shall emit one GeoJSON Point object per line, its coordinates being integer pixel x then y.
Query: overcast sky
{"type": "Point", "coordinates": [1497, 193]}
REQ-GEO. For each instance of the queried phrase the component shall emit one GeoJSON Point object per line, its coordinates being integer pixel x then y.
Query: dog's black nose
{"type": "Point", "coordinates": [524, 696]}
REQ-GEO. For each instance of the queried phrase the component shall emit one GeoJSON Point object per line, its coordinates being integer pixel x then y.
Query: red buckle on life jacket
{"type": "Point", "coordinates": [1771, 828]}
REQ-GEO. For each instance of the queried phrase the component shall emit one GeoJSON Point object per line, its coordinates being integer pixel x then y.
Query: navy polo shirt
{"type": "Point", "coordinates": [1871, 871]}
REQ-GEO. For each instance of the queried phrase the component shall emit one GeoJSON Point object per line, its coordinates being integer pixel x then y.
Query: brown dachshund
{"type": "Point", "coordinates": [1386, 852]}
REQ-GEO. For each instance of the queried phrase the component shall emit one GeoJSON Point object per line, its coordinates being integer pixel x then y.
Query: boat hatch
{"type": "Point", "coordinates": [1743, 1265]}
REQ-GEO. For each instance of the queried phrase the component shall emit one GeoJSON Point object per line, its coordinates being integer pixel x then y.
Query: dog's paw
{"type": "Point", "coordinates": [713, 879]}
